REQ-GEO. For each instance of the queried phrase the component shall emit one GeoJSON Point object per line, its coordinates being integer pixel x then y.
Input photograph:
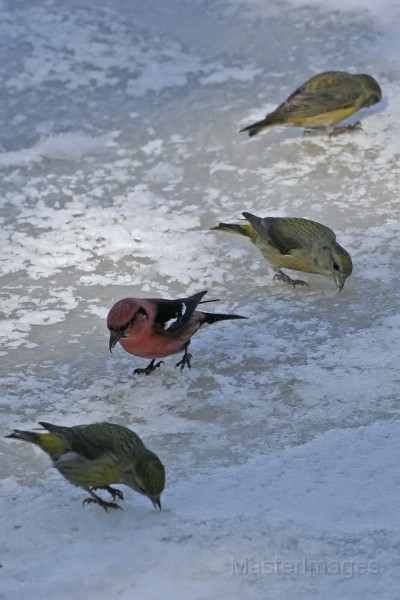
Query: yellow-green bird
{"type": "Point", "coordinates": [98, 455]}
{"type": "Point", "coordinates": [322, 102]}
{"type": "Point", "coordinates": [297, 244]}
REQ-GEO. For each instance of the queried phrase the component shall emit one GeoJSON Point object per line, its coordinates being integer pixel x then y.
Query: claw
{"type": "Point", "coordinates": [113, 491]}
{"type": "Point", "coordinates": [95, 499]}
{"type": "Point", "coordinates": [353, 127]}
{"type": "Point", "coordinates": [281, 276]}
{"type": "Point", "coordinates": [152, 366]}
{"type": "Point", "coordinates": [185, 360]}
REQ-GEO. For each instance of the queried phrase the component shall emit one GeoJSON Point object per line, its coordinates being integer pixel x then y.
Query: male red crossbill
{"type": "Point", "coordinates": [155, 328]}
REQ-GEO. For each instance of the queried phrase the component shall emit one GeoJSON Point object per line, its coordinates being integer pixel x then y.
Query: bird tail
{"type": "Point", "coordinates": [28, 436]}
{"type": "Point", "coordinates": [245, 229]}
{"type": "Point", "coordinates": [215, 317]}
{"type": "Point", "coordinates": [254, 128]}
{"type": "Point", "coordinates": [47, 442]}
{"type": "Point", "coordinates": [54, 429]}
{"type": "Point", "coordinates": [194, 300]}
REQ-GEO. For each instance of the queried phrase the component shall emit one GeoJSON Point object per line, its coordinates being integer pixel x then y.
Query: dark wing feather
{"type": "Point", "coordinates": [287, 235]}
{"type": "Point", "coordinates": [178, 311]}
{"type": "Point", "coordinates": [94, 440]}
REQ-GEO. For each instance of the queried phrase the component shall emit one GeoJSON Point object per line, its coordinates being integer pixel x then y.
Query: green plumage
{"type": "Point", "coordinates": [98, 455]}
{"type": "Point", "coordinates": [297, 244]}
{"type": "Point", "coordinates": [288, 234]}
{"type": "Point", "coordinates": [323, 101]}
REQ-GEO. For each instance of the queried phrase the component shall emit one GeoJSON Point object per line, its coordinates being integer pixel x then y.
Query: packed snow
{"type": "Point", "coordinates": [119, 151]}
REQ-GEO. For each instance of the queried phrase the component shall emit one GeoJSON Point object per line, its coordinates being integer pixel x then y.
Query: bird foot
{"type": "Point", "coordinates": [95, 499]}
{"type": "Point", "coordinates": [281, 276]}
{"type": "Point", "coordinates": [149, 369]}
{"type": "Point", "coordinates": [339, 130]}
{"type": "Point", "coordinates": [113, 491]}
{"type": "Point", "coordinates": [185, 361]}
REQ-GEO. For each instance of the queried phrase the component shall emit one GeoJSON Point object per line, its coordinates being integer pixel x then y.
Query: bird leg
{"type": "Point", "coordinates": [186, 358]}
{"type": "Point", "coordinates": [114, 492]}
{"type": "Point", "coordinates": [95, 499]}
{"type": "Point", "coordinates": [281, 276]}
{"type": "Point", "coordinates": [344, 128]}
{"type": "Point", "coordinates": [150, 367]}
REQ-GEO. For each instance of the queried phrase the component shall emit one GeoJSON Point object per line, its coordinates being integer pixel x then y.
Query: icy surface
{"type": "Point", "coordinates": [119, 150]}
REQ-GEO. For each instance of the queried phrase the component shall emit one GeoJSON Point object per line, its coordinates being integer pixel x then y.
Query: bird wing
{"type": "Point", "coordinates": [94, 440]}
{"type": "Point", "coordinates": [330, 93]}
{"type": "Point", "coordinates": [173, 315]}
{"type": "Point", "coordinates": [289, 234]}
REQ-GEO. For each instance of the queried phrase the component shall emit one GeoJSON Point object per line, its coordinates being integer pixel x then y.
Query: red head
{"type": "Point", "coordinates": [123, 315]}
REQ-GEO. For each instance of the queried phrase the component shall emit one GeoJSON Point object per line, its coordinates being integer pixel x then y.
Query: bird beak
{"type": "Point", "coordinates": [115, 336]}
{"type": "Point", "coordinates": [340, 281]}
{"type": "Point", "coordinates": [156, 502]}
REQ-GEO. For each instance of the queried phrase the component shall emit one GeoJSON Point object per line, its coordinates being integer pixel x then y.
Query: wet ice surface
{"type": "Point", "coordinates": [119, 151]}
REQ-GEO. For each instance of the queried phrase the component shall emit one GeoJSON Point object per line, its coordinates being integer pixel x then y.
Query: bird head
{"type": "Point", "coordinates": [372, 90]}
{"type": "Point", "coordinates": [146, 475]}
{"type": "Point", "coordinates": [334, 261]}
{"type": "Point", "coordinates": [124, 315]}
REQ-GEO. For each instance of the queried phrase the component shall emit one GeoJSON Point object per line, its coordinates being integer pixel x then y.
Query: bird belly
{"type": "Point", "coordinates": [324, 120]}
{"type": "Point", "coordinates": [157, 345]}
{"type": "Point", "coordinates": [298, 260]}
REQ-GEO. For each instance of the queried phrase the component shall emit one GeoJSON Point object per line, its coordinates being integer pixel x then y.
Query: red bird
{"type": "Point", "coordinates": [154, 328]}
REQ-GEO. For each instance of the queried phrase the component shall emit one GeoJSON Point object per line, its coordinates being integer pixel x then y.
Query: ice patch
{"type": "Point", "coordinates": [64, 146]}
{"type": "Point", "coordinates": [224, 74]}
{"type": "Point", "coordinates": [281, 441]}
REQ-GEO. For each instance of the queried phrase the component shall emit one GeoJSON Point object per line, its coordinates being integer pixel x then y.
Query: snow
{"type": "Point", "coordinates": [120, 150]}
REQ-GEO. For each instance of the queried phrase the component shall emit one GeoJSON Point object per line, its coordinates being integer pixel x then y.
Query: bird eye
{"type": "Point", "coordinates": [373, 100]}
{"type": "Point", "coordinates": [336, 267]}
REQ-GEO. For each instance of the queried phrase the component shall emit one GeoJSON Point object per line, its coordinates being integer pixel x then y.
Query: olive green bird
{"type": "Point", "coordinates": [322, 102]}
{"type": "Point", "coordinates": [297, 244]}
{"type": "Point", "coordinates": [98, 455]}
